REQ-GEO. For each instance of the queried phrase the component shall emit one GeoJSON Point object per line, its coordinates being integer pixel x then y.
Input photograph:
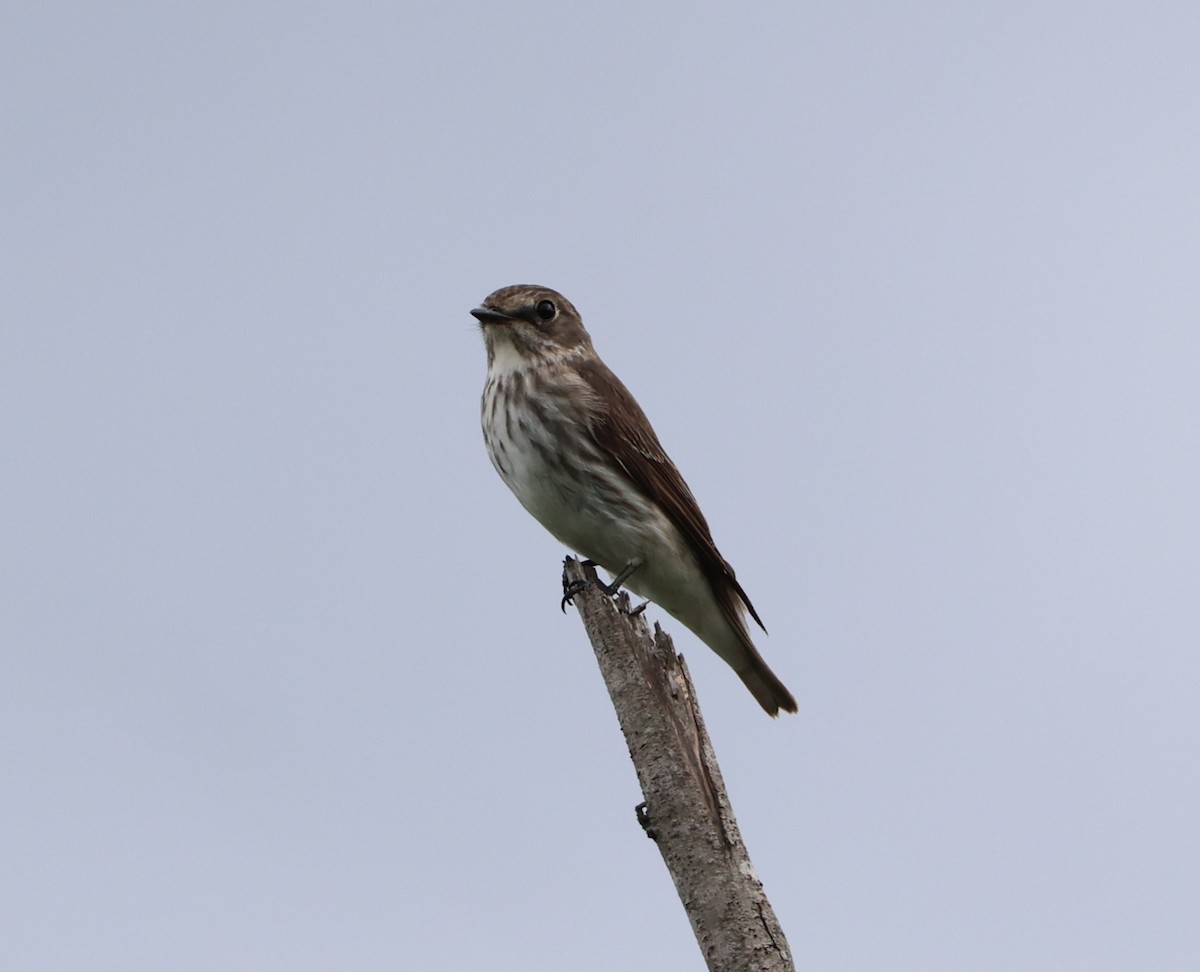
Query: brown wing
{"type": "Point", "coordinates": [622, 429]}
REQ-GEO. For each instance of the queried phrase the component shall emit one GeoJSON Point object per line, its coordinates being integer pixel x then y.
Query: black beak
{"type": "Point", "coordinates": [485, 315]}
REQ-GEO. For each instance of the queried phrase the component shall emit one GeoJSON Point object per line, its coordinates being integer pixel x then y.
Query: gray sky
{"type": "Point", "coordinates": [912, 296]}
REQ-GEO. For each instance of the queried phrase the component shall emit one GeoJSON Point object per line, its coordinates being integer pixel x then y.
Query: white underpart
{"type": "Point", "coordinates": [505, 359]}
{"type": "Point", "coordinates": [580, 514]}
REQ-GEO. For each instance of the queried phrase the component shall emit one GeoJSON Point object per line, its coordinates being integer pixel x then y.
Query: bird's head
{"type": "Point", "coordinates": [534, 323]}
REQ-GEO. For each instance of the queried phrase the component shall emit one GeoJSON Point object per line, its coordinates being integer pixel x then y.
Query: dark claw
{"type": "Point", "coordinates": [639, 609]}
{"type": "Point", "coordinates": [570, 589]}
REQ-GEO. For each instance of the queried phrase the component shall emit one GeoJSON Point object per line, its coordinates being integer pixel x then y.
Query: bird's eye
{"type": "Point", "coordinates": [546, 310]}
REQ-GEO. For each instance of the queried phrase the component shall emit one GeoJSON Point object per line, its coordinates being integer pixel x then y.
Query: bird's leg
{"type": "Point", "coordinates": [571, 588]}
{"type": "Point", "coordinates": [621, 578]}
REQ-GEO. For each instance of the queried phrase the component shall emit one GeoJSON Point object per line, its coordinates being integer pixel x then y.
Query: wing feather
{"type": "Point", "coordinates": [621, 428]}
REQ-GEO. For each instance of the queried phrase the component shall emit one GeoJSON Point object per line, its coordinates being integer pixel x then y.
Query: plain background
{"type": "Point", "coordinates": [911, 293]}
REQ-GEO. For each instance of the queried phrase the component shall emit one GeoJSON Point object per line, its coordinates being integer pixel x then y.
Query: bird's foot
{"type": "Point", "coordinates": [570, 589]}
{"type": "Point", "coordinates": [573, 587]}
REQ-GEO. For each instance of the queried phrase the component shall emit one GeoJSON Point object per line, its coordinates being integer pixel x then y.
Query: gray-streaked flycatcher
{"type": "Point", "coordinates": [574, 446]}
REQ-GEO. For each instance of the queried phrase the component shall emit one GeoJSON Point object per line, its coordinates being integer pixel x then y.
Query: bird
{"type": "Point", "coordinates": [576, 449]}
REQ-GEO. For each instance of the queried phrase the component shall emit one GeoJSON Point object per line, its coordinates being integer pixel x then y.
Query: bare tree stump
{"type": "Point", "coordinates": [686, 809]}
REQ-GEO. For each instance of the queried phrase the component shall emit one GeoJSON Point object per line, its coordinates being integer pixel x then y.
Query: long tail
{"type": "Point", "coordinates": [763, 684]}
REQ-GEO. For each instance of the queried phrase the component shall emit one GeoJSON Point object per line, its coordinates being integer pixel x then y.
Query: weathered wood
{"type": "Point", "coordinates": [686, 810]}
